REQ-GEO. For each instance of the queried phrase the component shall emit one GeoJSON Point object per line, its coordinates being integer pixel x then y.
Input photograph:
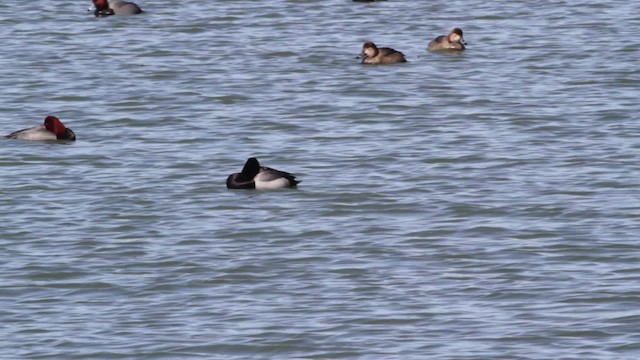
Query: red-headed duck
{"type": "Point", "coordinates": [53, 129]}
{"type": "Point", "coordinates": [371, 54]}
{"type": "Point", "coordinates": [453, 41]}
{"type": "Point", "coordinates": [254, 176]}
{"type": "Point", "coordinates": [115, 7]}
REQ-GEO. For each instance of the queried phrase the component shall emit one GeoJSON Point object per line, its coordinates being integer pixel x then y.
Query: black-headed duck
{"type": "Point", "coordinates": [115, 7]}
{"type": "Point", "coordinates": [254, 176]}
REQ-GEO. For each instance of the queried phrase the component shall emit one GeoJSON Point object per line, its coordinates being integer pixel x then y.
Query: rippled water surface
{"type": "Point", "coordinates": [482, 205]}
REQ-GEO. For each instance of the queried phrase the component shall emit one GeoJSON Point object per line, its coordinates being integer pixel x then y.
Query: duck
{"type": "Point", "coordinates": [371, 54]}
{"type": "Point", "coordinates": [254, 176]}
{"type": "Point", "coordinates": [52, 129]}
{"type": "Point", "coordinates": [116, 7]}
{"type": "Point", "coordinates": [453, 41]}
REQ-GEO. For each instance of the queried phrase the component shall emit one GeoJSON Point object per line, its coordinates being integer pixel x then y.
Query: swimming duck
{"type": "Point", "coordinates": [116, 7]}
{"type": "Point", "coordinates": [254, 176]}
{"type": "Point", "coordinates": [371, 54]}
{"type": "Point", "coordinates": [53, 129]}
{"type": "Point", "coordinates": [453, 41]}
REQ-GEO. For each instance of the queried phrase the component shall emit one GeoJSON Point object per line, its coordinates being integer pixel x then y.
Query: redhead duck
{"type": "Point", "coordinates": [453, 41]}
{"type": "Point", "coordinates": [116, 7]}
{"type": "Point", "coordinates": [53, 129]}
{"type": "Point", "coordinates": [254, 176]}
{"type": "Point", "coordinates": [371, 54]}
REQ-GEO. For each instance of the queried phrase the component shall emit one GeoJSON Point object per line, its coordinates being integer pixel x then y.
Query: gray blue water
{"type": "Point", "coordinates": [482, 205]}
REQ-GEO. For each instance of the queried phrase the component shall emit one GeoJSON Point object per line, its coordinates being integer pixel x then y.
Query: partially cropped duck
{"type": "Point", "coordinates": [371, 54]}
{"type": "Point", "coordinates": [452, 41]}
{"type": "Point", "coordinates": [115, 7]}
{"type": "Point", "coordinates": [254, 176]}
{"type": "Point", "coordinates": [53, 129]}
